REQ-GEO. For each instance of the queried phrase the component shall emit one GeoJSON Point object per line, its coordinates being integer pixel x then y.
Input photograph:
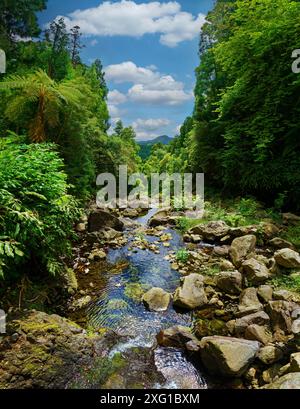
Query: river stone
{"type": "Point", "coordinates": [241, 324]}
{"type": "Point", "coordinates": [269, 354]}
{"type": "Point", "coordinates": [288, 381]}
{"type": "Point", "coordinates": [258, 333]}
{"type": "Point", "coordinates": [255, 271]}
{"type": "Point", "coordinates": [80, 227]}
{"type": "Point", "coordinates": [208, 327]}
{"type": "Point", "coordinates": [290, 218]}
{"type": "Point", "coordinates": [229, 281]}
{"type": "Point", "coordinates": [241, 247]}
{"type": "Point", "coordinates": [287, 258]}
{"type": "Point", "coordinates": [285, 295]}
{"type": "Point", "coordinates": [295, 362]}
{"type": "Point", "coordinates": [97, 255]}
{"type": "Point", "coordinates": [211, 231]}
{"type": "Point", "coordinates": [99, 219]}
{"type": "Point", "coordinates": [175, 337]}
{"type": "Point", "coordinates": [249, 303]}
{"type": "Point", "coordinates": [191, 294]}
{"type": "Point", "coordinates": [157, 299]}
{"type": "Point", "coordinates": [226, 265]}
{"type": "Point", "coordinates": [280, 314]}
{"type": "Point", "coordinates": [296, 327]}
{"type": "Point", "coordinates": [279, 243]}
{"type": "Point", "coordinates": [265, 292]}
{"type": "Point", "coordinates": [227, 356]}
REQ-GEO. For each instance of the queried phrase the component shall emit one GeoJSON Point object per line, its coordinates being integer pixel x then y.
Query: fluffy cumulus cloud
{"type": "Point", "coordinates": [127, 18]}
{"type": "Point", "coordinates": [147, 129]}
{"type": "Point", "coordinates": [116, 97]}
{"type": "Point", "coordinates": [150, 124]}
{"type": "Point", "coordinates": [149, 86]}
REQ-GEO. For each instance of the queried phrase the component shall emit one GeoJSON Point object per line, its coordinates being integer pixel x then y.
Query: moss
{"type": "Point", "coordinates": [40, 327]}
{"type": "Point", "coordinates": [208, 327]}
{"type": "Point", "coordinates": [134, 291]}
{"type": "Point", "coordinates": [40, 360]}
{"type": "Point", "coordinates": [292, 234]}
{"type": "Point", "coordinates": [71, 280]}
{"type": "Point", "coordinates": [289, 282]}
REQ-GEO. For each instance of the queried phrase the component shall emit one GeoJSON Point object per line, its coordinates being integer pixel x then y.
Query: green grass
{"type": "Point", "coordinates": [289, 282]}
{"type": "Point", "coordinates": [182, 256]}
{"type": "Point", "coordinates": [238, 212]}
{"type": "Point", "coordinates": [292, 234]}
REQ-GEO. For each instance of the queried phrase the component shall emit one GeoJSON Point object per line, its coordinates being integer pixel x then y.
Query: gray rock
{"type": "Point", "coordinates": [226, 265]}
{"type": "Point", "coordinates": [269, 354]}
{"type": "Point", "coordinates": [295, 362]}
{"type": "Point", "coordinates": [258, 333]}
{"type": "Point", "coordinates": [99, 219]}
{"type": "Point", "coordinates": [296, 327]}
{"type": "Point", "coordinates": [285, 295]}
{"type": "Point", "coordinates": [265, 292]}
{"type": "Point", "coordinates": [191, 294]}
{"type": "Point", "coordinates": [157, 299]}
{"type": "Point", "coordinates": [249, 302]}
{"type": "Point", "coordinates": [255, 271]}
{"type": "Point", "coordinates": [176, 337]}
{"type": "Point", "coordinates": [287, 258]}
{"type": "Point", "coordinates": [289, 381]}
{"type": "Point", "coordinates": [279, 243]}
{"type": "Point", "coordinates": [241, 247]}
{"type": "Point", "coordinates": [211, 231]}
{"type": "Point", "coordinates": [226, 356]}
{"type": "Point", "coordinates": [290, 218]}
{"type": "Point", "coordinates": [258, 318]}
{"type": "Point", "coordinates": [280, 314]}
{"type": "Point", "coordinates": [97, 255]}
{"type": "Point", "coordinates": [230, 282]}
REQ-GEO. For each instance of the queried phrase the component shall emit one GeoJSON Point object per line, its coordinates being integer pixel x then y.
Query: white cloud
{"type": "Point", "coordinates": [127, 18]}
{"type": "Point", "coordinates": [150, 86]}
{"type": "Point", "coordinates": [116, 97]}
{"type": "Point", "coordinates": [145, 136]}
{"type": "Point", "coordinates": [140, 93]}
{"type": "Point", "coordinates": [150, 124]}
{"type": "Point", "coordinates": [94, 42]}
{"type": "Point", "coordinates": [113, 111]}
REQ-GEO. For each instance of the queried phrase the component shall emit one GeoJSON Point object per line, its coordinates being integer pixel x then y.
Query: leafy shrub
{"type": "Point", "coordinates": [182, 256]}
{"type": "Point", "coordinates": [36, 212]}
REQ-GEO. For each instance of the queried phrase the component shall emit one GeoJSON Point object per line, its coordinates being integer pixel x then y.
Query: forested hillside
{"type": "Point", "coordinates": [244, 133]}
{"type": "Point", "coordinates": [54, 141]}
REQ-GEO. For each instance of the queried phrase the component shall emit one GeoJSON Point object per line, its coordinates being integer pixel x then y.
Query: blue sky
{"type": "Point", "coordinates": [149, 51]}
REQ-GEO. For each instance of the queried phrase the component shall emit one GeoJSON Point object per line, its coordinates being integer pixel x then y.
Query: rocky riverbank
{"type": "Point", "coordinates": [244, 325]}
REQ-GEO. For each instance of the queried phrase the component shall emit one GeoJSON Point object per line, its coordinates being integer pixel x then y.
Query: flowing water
{"type": "Point", "coordinates": [119, 306]}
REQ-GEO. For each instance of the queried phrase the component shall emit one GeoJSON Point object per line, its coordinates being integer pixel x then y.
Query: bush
{"type": "Point", "coordinates": [36, 212]}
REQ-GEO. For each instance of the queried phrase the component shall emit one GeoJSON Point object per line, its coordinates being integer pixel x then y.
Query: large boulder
{"type": "Point", "coordinates": [279, 243]}
{"type": "Point", "coordinates": [191, 294]}
{"type": "Point", "coordinates": [156, 299]}
{"type": "Point", "coordinates": [229, 281]}
{"type": "Point", "coordinates": [99, 219]}
{"type": "Point", "coordinates": [258, 333]}
{"type": "Point", "coordinates": [280, 314]}
{"type": "Point", "coordinates": [255, 271]}
{"type": "Point", "coordinates": [160, 218]}
{"type": "Point", "coordinates": [287, 258]}
{"type": "Point", "coordinates": [226, 356]}
{"type": "Point", "coordinates": [295, 362]}
{"type": "Point", "coordinates": [211, 231]}
{"type": "Point", "coordinates": [289, 381]}
{"type": "Point", "coordinates": [175, 337]}
{"type": "Point", "coordinates": [249, 302]}
{"type": "Point", "coordinates": [270, 354]}
{"type": "Point", "coordinates": [258, 318]}
{"type": "Point", "coordinates": [290, 218]}
{"type": "Point", "coordinates": [241, 247]}
{"type": "Point", "coordinates": [265, 292]}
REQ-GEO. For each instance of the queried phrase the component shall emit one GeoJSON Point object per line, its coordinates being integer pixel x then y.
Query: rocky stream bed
{"type": "Point", "coordinates": [143, 315]}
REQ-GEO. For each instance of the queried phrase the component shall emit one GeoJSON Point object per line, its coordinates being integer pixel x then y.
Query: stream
{"type": "Point", "coordinates": [119, 307]}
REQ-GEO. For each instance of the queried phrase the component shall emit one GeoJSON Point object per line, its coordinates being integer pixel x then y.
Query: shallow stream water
{"type": "Point", "coordinates": [120, 309]}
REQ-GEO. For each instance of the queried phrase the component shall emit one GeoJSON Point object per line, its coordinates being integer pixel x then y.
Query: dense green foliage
{"type": "Point", "coordinates": [36, 212]}
{"type": "Point", "coordinates": [244, 134]}
{"type": "Point", "coordinates": [59, 105]}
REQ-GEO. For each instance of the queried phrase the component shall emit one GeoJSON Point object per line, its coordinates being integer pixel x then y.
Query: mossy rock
{"type": "Point", "coordinates": [208, 327]}
{"type": "Point", "coordinates": [134, 291]}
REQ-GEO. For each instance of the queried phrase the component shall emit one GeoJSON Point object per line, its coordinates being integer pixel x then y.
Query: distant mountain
{"type": "Point", "coordinates": [146, 146]}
